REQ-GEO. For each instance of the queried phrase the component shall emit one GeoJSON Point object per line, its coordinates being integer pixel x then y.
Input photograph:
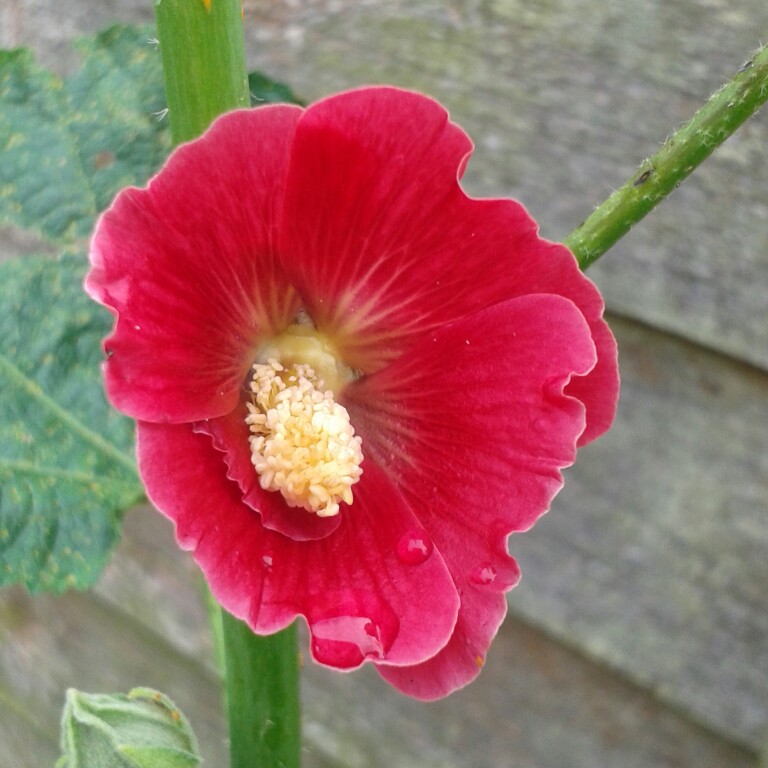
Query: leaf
{"type": "Point", "coordinates": [42, 183]}
{"type": "Point", "coordinates": [144, 729]}
{"type": "Point", "coordinates": [68, 147]}
{"type": "Point", "coordinates": [66, 472]}
{"type": "Point", "coordinates": [266, 91]}
{"type": "Point", "coordinates": [118, 105]}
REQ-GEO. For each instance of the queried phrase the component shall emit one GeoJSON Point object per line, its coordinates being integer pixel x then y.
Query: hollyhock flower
{"type": "Point", "coordinates": [352, 382]}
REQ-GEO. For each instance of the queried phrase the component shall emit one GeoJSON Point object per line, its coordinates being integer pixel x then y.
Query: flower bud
{"type": "Point", "coordinates": [141, 730]}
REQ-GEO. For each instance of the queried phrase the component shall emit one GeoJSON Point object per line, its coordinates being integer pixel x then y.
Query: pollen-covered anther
{"type": "Point", "coordinates": [302, 442]}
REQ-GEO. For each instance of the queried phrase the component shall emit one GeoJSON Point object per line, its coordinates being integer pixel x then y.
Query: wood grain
{"type": "Point", "coordinates": [655, 556]}
{"type": "Point", "coordinates": [537, 705]}
{"type": "Point", "coordinates": [564, 100]}
{"type": "Point", "coordinates": [653, 562]}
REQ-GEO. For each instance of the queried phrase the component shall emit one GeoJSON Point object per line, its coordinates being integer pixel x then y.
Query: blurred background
{"type": "Point", "coordinates": [639, 634]}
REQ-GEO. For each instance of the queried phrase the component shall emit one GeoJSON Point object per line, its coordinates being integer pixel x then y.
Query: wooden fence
{"type": "Point", "coordinates": [639, 635]}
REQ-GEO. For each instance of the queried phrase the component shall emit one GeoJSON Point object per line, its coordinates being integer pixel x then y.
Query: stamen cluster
{"type": "Point", "coordinates": [302, 441]}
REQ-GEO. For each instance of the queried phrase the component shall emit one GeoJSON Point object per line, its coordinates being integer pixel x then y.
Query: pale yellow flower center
{"type": "Point", "coordinates": [302, 442]}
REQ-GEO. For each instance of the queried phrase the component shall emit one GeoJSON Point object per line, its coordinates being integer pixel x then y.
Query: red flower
{"type": "Point", "coordinates": [466, 356]}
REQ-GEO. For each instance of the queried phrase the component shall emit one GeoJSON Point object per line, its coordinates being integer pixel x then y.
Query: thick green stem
{"type": "Point", "coordinates": [682, 152]}
{"type": "Point", "coordinates": [201, 42]}
{"type": "Point", "coordinates": [262, 696]}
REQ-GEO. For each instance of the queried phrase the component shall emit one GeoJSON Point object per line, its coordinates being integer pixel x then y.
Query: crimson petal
{"type": "Point", "coordinates": [363, 592]}
{"type": "Point", "coordinates": [474, 427]}
{"type": "Point", "coordinates": [230, 435]}
{"type": "Point", "coordinates": [371, 171]}
{"type": "Point", "coordinates": [552, 268]}
{"type": "Point", "coordinates": [189, 267]}
{"type": "Point", "coordinates": [384, 244]}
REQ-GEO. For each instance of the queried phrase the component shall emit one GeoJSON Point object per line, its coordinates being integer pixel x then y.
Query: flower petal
{"type": "Point", "coordinates": [188, 265]}
{"type": "Point", "coordinates": [473, 426]}
{"type": "Point", "coordinates": [230, 435]}
{"type": "Point", "coordinates": [599, 389]}
{"type": "Point", "coordinates": [552, 268]}
{"type": "Point", "coordinates": [384, 245]}
{"type": "Point", "coordinates": [365, 593]}
{"type": "Point", "coordinates": [462, 660]}
{"type": "Point", "coordinates": [370, 173]}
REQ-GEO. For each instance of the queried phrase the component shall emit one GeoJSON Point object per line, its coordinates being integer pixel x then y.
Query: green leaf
{"type": "Point", "coordinates": [68, 147]}
{"type": "Point", "coordinates": [42, 183]}
{"type": "Point", "coordinates": [117, 110]}
{"type": "Point", "coordinates": [266, 91]}
{"type": "Point", "coordinates": [144, 729]}
{"type": "Point", "coordinates": [66, 472]}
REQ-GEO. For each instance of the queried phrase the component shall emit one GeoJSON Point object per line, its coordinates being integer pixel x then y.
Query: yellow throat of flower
{"type": "Point", "coordinates": [302, 441]}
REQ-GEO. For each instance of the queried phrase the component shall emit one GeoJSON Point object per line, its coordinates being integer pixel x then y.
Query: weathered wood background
{"type": "Point", "coordinates": [639, 636]}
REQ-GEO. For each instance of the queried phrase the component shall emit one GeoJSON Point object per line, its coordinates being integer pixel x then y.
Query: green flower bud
{"type": "Point", "coordinates": [141, 730]}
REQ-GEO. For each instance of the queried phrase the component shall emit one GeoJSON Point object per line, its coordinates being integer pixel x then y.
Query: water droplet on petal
{"type": "Point", "coordinates": [414, 548]}
{"type": "Point", "coordinates": [483, 575]}
{"type": "Point", "coordinates": [267, 560]}
{"type": "Point", "coordinates": [357, 627]}
{"type": "Point", "coordinates": [359, 631]}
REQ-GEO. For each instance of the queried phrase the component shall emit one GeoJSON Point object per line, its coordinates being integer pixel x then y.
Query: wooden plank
{"type": "Point", "coordinates": [536, 705]}
{"type": "Point", "coordinates": [654, 558]}
{"type": "Point", "coordinates": [49, 27]}
{"type": "Point", "coordinates": [659, 540]}
{"type": "Point", "coordinates": [563, 103]}
{"type": "Point", "coordinates": [48, 644]}
{"type": "Point", "coordinates": [23, 744]}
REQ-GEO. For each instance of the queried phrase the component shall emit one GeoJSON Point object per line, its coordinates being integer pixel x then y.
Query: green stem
{"type": "Point", "coordinates": [262, 696]}
{"type": "Point", "coordinates": [725, 111]}
{"type": "Point", "coordinates": [201, 43]}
